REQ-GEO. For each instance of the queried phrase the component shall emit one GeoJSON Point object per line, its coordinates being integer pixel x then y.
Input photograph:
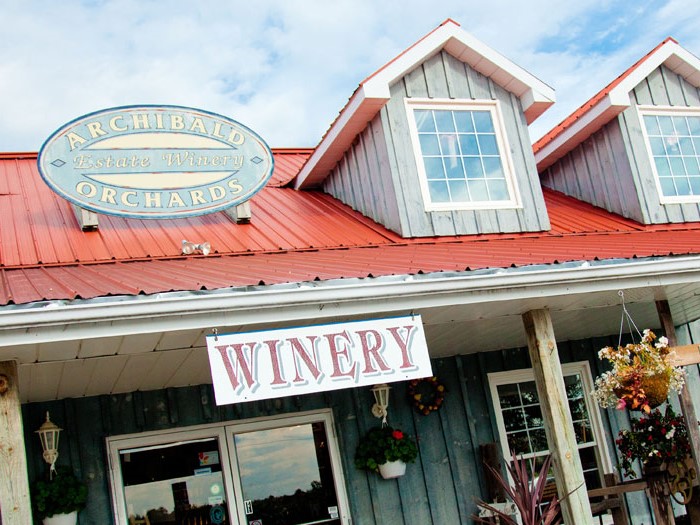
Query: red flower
{"type": "Point", "coordinates": [397, 434]}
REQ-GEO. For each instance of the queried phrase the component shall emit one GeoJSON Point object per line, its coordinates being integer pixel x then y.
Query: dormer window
{"type": "Point", "coordinates": [461, 155]}
{"type": "Point", "coordinates": [673, 140]}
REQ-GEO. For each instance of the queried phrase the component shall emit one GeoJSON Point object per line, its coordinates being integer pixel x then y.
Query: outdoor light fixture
{"type": "Point", "coordinates": [190, 247]}
{"type": "Point", "coordinates": [381, 398]}
{"type": "Point", "coordinates": [48, 435]}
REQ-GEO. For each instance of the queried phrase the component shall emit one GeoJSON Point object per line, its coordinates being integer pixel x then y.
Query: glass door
{"type": "Point", "coordinates": [284, 474]}
{"type": "Point", "coordinates": [175, 483]}
{"type": "Point", "coordinates": [274, 471]}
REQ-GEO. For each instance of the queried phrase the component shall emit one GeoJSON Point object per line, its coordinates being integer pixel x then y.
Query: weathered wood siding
{"type": "Point", "coordinates": [439, 488]}
{"type": "Point", "coordinates": [612, 169]}
{"type": "Point", "coordinates": [447, 444]}
{"type": "Point", "coordinates": [379, 177]}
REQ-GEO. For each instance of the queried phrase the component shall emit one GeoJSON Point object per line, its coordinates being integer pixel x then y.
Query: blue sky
{"type": "Point", "coordinates": [285, 68]}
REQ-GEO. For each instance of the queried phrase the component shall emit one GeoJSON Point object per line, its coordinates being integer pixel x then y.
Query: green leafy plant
{"type": "Point", "coordinates": [657, 437]}
{"type": "Point", "coordinates": [61, 495]}
{"type": "Point", "coordinates": [527, 493]}
{"type": "Point", "coordinates": [383, 444]}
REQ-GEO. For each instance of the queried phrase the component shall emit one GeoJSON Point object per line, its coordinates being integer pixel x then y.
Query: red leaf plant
{"type": "Point", "coordinates": [527, 493]}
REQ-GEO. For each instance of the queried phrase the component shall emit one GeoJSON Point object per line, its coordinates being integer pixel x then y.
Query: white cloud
{"type": "Point", "coordinates": [285, 68]}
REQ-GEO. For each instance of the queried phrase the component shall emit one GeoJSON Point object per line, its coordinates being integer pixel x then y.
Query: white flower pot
{"type": "Point", "coordinates": [392, 469]}
{"type": "Point", "coordinates": [62, 519]}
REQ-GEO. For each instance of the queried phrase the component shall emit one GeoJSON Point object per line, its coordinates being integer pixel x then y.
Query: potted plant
{"type": "Point", "coordinates": [641, 376]}
{"type": "Point", "coordinates": [385, 450]}
{"type": "Point", "coordinates": [528, 494]}
{"type": "Point", "coordinates": [58, 500]}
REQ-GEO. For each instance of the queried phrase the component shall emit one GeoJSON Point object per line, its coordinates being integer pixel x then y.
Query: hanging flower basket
{"type": "Point", "coordinates": [641, 377]}
{"type": "Point", "coordinates": [639, 391]}
{"type": "Point", "coordinates": [381, 446]}
{"type": "Point", "coordinates": [392, 469]}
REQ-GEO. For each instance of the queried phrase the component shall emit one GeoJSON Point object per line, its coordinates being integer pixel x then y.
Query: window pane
{"type": "Point", "coordinates": [681, 125]}
{"type": "Point", "coordinates": [487, 144]}
{"type": "Point", "coordinates": [468, 144]}
{"type": "Point", "coordinates": [478, 190]}
{"type": "Point", "coordinates": [677, 166]}
{"type": "Point", "coordinates": [665, 125]}
{"type": "Point", "coordinates": [464, 122]}
{"type": "Point", "coordinates": [533, 416]}
{"type": "Point", "coordinates": [424, 120]}
{"type": "Point", "coordinates": [438, 191]}
{"type": "Point", "coordinates": [538, 440]}
{"type": "Point", "coordinates": [473, 167]}
{"type": "Point", "coordinates": [694, 185]}
{"type": "Point", "coordinates": [682, 186]}
{"type": "Point", "coordinates": [454, 169]}
{"type": "Point", "coordinates": [694, 125]}
{"type": "Point", "coordinates": [508, 395]}
{"type": "Point", "coordinates": [686, 145]}
{"type": "Point", "coordinates": [493, 168]}
{"type": "Point", "coordinates": [458, 191]}
{"type": "Point", "coordinates": [667, 187]}
{"type": "Point", "coordinates": [663, 168]}
{"type": "Point", "coordinates": [519, 442]}
{"type": "Point", "coordinates": [514, 419]}
{"type": "Point", "coordinates": [652, 125]}
{"type": "Point", "coordinates": [583, 431]}
{"type": "Point", "coordinates": [528, 392]}
{"type": "Point", "coordinates": [286, 475]}
{"type": "Point", "coordinates": [483, 122]}
{"type": "Point", "coordinates": [657, 146]}
{"type": "Point", "coordinates": [434, 168]}
{"type": "Point", "coordinates": [172, 483]}
{"type": "Point", "coordinates": [498, 190]}
{"type": "Point", "coordinates": [672, 147]}
{"type": "Point", "coordinates": [443, 120]}
{"type": "Point", "coordinates": [429, 145]}
{"type": "Point", "coordinates": [448, 143]}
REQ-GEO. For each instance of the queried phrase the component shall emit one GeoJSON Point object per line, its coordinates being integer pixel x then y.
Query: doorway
{"type": "Point", "coordinates": [273, 471]}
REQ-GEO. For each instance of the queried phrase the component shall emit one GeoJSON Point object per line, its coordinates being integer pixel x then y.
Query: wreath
{"type": "Point", "coordinates": [426, 394]}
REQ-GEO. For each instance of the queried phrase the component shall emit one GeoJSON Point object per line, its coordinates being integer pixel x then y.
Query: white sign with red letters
{"type": "Point", "coordinates": [291, 361]}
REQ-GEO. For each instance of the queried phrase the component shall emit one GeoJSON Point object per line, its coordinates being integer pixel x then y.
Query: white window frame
{"type": "Point", "coordinates": [665, 111]}
{"type": "Point", "coordinates": [224, 432]}
{"type": "Point", "coordinates": [582, 368]}
{"type": "Point", "coordinates": [493, 106]}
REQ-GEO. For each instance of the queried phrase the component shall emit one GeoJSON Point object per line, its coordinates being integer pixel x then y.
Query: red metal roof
{"type": "Point", "coordinates": [294, 236]}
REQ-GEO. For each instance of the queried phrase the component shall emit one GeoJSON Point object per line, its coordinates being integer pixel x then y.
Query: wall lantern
{"type": "Point", "coordinates": [381, 401]}
{"type": "Point", "coordinates": [48, 435]}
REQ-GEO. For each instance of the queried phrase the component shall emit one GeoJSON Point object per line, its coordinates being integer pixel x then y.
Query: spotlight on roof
{"type": "Point", "coordinates": [190, 247]}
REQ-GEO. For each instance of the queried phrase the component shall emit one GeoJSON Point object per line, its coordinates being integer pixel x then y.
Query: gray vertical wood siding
{"type": "Point", "coordinates": [379, 178]}
{"type": "Point", "coordinates": [612, 169]}
{"type": "Point", "coordinates": [441, 487]}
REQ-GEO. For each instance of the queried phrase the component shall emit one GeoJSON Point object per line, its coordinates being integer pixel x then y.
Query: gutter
{"type": "Point", "coordinates": [175, 311]}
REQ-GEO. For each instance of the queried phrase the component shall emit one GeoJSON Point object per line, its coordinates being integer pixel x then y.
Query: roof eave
{"type": "Point", "coordinates": [670, 54]}
{"type": "Point", "coordinates": [374, 92]}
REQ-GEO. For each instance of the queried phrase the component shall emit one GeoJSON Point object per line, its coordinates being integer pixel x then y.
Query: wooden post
{"type": "Point", "coordinates": [688, 409]}
{"type": "Point", "coordinates": [14, 483]}
{"type": "Point", "coordinates": [558, 425]}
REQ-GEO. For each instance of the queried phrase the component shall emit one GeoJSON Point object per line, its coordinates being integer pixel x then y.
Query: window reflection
{"type": "Point", "coordinates": [174, 484]}
{"type": "Point", "coordinates": [286, 475]}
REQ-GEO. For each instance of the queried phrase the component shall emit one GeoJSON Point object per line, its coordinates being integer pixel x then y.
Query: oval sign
{"type": "Point", "coordinates": [154, 162]}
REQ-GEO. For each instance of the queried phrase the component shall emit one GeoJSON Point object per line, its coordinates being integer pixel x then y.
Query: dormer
{"type": "Point", "coordinates": [634, 148]}
{"type": "Point", "coordinates": [436, 142]}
